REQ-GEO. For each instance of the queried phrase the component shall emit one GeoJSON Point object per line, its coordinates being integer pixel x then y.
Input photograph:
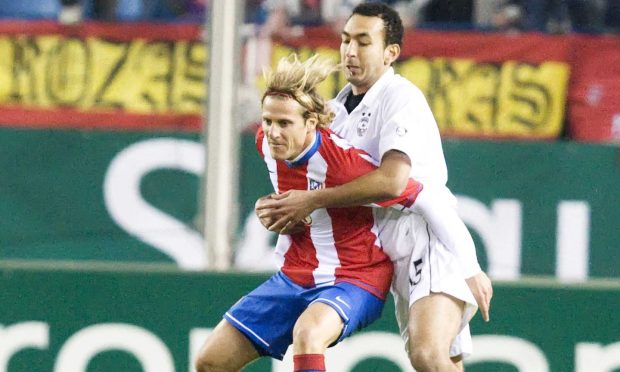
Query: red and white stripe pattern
{"type": "Point", "coordinates": [341, 244]}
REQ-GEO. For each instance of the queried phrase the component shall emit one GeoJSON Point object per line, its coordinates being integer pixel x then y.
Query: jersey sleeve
{"type": "Point", "coordinates": [398, 130]}
{"type": "Point", "coordinates": [408, 126]}
{"type": "Point", "coordinates": [438, 210]}
{"type": "Point", "coordinates": [406, 200]}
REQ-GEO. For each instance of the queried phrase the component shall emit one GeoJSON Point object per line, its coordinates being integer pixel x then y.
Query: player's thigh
{"type": "Point", "coordinates": [227, 348]}
{"type": "Point", "coordinates": [317, 327]}
{"type": "Point", "coordinates": [435, 320]}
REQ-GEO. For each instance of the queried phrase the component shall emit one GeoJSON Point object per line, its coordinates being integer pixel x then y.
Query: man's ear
{"type": "Point", "coordinates": [312, 123]}
{"type": "Point", "coordinates": [391, 54]}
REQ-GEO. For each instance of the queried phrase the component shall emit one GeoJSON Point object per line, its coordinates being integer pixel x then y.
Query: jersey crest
{"type": "Point", "coordinates": [314, 185]}
{"type": "Point", "coordinates": [362, 126]}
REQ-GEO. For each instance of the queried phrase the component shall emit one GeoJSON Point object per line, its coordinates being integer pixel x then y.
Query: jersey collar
{"type": "Point", "coordinates": [372, 93]}
{"type": "Point", "coordinates": [307, 153]}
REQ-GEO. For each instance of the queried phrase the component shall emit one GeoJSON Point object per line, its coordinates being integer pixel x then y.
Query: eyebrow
{"type": "Point", "coordinates": [360, 35]}
{"type": "Point", "coordinates": [266, 117]}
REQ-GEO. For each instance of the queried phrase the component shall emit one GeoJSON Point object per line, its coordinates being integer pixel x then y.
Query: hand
{"type": "Point", "coordinates": [281, 212]}
{"type": "Point", "coordinates": [268, 216]}
{"type": "Point", "coordinates": [265, 216]}
{"type": "Point", "coordinates": [481, 287]}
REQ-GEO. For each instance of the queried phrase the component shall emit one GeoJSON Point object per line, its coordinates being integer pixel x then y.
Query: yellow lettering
{"type": "Point", "coordinates": [188, 85]}
{"type": "Point", "coordinates": [66, 72]}
{"type": "Point", "coordinates": [532, 98]}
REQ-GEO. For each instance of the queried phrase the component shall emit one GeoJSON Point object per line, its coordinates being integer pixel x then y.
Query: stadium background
{"type": "Point", "coordinates": [103, 261]}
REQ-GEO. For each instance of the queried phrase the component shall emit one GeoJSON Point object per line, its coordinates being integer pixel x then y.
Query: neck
{"type": "Point", "coordinates": [311, 147]}
{"type": "Point", "coordinates": [359, 89]}
{"type": "Point", "coordinates": [309, 139]}
{"type": "Point", "coordinates": [307, 144]}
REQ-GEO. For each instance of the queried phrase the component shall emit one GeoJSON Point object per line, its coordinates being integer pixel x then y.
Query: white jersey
{"type": "Point", "coordinates": [394, 115]}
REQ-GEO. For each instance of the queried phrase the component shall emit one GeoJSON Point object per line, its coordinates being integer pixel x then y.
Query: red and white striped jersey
{"type": "Point", "coordinates": [341, 244]}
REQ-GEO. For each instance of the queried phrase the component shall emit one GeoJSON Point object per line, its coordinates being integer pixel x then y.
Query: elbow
{"type": "Point", "coordinates": [394, 189]}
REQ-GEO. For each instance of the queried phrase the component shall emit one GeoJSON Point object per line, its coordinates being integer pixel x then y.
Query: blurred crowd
{"type": "Point", "coordinates": [75, 11]}
{"type": "Point", "coordinates": [553, 16]}
{"type": "Point", "coordinates": [284, 18]}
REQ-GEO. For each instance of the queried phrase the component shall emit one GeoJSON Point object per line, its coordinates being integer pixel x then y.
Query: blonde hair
{"type": "Point", "coordinates": [299, 80]}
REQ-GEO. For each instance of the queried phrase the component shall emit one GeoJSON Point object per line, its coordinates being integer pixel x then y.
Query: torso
{"type": "Point", "coordinates": [394, 115]}
{"type": "Point", "coordinates": [341, 244]}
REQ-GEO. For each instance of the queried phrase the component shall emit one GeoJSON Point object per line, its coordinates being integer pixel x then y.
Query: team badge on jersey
{"type": "Point", "coordinates": [362, 126]}
{"type": "Point", "coordinates": [401, 131]}
{"type": "Point", "coordinates": [314, 185]}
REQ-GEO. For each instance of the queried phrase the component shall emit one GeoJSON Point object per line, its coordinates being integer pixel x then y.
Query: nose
{"type": "Point", "coordinates": [351, 50]}
{"type": "Point", "coordinates": [273, 131]}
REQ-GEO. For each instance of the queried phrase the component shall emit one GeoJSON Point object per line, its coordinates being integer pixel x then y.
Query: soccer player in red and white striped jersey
{"type": "Point", "coordinates": [334, 274]}
{"type": "Point", "coordinates": [340, 244]}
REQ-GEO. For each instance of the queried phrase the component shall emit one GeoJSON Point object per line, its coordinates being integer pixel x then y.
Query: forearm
{"type": "Point", "coordinates": [450, 229]}
{"type": "Point", "coordinates": [372, 187]}
{"type": "Point", "coordinates": [388, 181]}
{"type": "Point", "coordinates": [353, 186]}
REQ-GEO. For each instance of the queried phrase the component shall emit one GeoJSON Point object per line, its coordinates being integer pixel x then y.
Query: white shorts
{"type": "Point", "coordinates": [431, 268]}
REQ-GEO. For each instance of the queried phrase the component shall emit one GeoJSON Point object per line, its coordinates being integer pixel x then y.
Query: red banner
{"type": "Point", "coordinates": [152, 76]}
{"type": "Point", "coordinates": [594, 103]}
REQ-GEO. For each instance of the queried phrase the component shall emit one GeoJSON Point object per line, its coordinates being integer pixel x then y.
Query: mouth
{"type": "Point", "coordinates": [352, 68]}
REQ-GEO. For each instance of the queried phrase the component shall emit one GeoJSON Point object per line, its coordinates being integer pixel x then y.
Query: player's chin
{"type": "Point", "coordinates": [354, 79]}
{"type": "Point", "coordinates": [278, 153]}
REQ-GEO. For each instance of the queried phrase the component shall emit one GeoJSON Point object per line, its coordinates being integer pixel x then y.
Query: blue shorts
{"type": "Point", "coordinates": [267, 315]}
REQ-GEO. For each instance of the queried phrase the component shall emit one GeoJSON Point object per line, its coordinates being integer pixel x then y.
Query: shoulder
{"type": "Point", "coordinates": [400, 93]}
{"type": "Point", "coordinates": [401, 88]}
{"type": "Point", "coordinates": [337, 146]}
{"type": "Point", "coordinates": [260, 136]}
{"type": "Point", "coordinates": [332, 141]}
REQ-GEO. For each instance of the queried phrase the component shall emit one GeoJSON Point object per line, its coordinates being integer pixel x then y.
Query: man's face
{"type": "Point", "coordinates": [362, 51]}
{"type": "Point", "coordinates": [287, 132]}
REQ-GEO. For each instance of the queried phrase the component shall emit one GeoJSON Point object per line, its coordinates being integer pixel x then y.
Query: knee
{"type": "Point", "coordinates": [426, 358]}
{"type": "Point", "coordinates": [204, 363]}
{"type": "Point", "coordinates": [307, 338]}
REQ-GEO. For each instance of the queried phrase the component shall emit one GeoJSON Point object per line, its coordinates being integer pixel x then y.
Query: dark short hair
{"type": "Point", "coordinates": [392, 24]}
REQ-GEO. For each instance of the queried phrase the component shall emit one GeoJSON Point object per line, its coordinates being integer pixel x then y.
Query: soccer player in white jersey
{"type": "Point", "coordinates": [334, 275]}
{"type": "Point", "coordinates": [387, 116]}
